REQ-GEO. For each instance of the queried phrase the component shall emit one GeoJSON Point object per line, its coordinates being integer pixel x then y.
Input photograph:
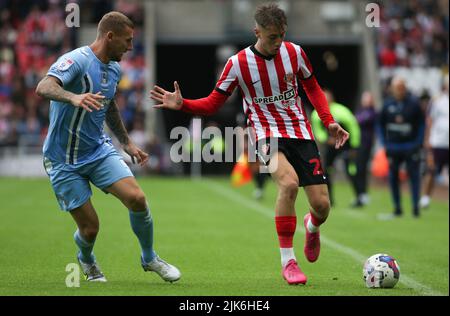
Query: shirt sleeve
{"type": "Point", "coordinates": [228, 79]}
{"type": "Point", "coordinates": [205, 106]}
{"type": "Point", "coordinates": [66, 69]}
{"type": "Point", "coordinates": [305, 69]}
{"type": "Point", "coordinates": [318, 99]}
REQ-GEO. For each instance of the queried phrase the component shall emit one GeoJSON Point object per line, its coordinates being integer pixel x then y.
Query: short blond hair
{"type": "Point", "coordinates": [115, 22]}
{"type": "Point", "coordinates": [270, 15]}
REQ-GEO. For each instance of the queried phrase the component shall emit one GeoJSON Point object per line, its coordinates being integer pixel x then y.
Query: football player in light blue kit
{"type": "Point", "coordinates": [81, 86]}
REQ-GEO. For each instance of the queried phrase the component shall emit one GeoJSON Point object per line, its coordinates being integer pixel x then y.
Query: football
{"type": "Point", "coordinates": [381, 271]}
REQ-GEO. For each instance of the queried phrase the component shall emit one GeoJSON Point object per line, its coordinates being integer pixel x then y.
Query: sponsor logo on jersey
{"type": "Point", "coordinates": [286, 98]}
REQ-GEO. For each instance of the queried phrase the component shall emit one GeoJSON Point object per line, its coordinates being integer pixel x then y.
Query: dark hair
{"type": "Point", "coordinates": [270, 14]}
{"type": "Point", "coordinates": [115, 22]}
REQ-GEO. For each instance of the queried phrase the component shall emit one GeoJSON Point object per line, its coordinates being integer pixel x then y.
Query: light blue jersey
{"type": "Point", "coordinates": [76, 150]}
{"type": "Point", "coordinates": [76, 136]}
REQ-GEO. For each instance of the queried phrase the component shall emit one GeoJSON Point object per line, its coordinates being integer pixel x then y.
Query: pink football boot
{"type": "Point", "coordinates": [292, 273]}
{"type": "Point", "coordinates": [312, 242]}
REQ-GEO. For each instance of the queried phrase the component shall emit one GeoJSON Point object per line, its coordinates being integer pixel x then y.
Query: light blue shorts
{"type": "Point", "coordinates": [71, 184]}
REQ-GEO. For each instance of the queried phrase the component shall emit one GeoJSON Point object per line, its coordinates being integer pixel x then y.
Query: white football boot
{"type": "Point", "coordinates": [92, 271]}
{"type": "Point", "coordinates": [165, 270]}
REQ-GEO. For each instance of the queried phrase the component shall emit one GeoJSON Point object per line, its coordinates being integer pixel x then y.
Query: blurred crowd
{"type": "Point", "coordinates": [413, 33]}
{"type": "Point", "coordinates": [33, 34]}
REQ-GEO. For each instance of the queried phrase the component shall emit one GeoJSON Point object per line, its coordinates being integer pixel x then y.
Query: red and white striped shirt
{"type": "Point", "coordinates": [269, 87]}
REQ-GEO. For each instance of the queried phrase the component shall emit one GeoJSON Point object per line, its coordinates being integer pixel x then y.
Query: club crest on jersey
{"type": "Point", "coordinates": [288, 78]}
{"type": "Point", "coordinates": [104, 78]}
{"type": "Point", "coordinates": [65, 64]}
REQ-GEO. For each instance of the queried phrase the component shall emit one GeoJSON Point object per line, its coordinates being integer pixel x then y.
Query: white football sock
{"type": "Point", "coordinates": [286, 255]}
{"type": "Point", "coordinates": [312, 228]}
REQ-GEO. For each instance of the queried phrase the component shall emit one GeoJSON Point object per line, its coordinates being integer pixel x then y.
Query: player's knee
{"type": "Point", "coordinates": [289, 188]}
{"type": "Point", "coordinates": [321, 206]}
{"type": "Point", "coordinates": [90, 232]}
{"type": "Point", "coordinates": [137, 201]}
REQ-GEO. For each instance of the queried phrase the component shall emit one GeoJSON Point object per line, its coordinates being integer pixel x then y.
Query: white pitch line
{"type": "Point", "coordinates": [250, 204]}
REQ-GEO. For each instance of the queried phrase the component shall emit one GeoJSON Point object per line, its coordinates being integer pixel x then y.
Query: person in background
{"type": "Point", "coordinates": [401, 128]}
{"type": "Point", "coordinates": [347, 120]}
{"type": "Point", "coordinates": [366, 117]}
{"type": "Point", "coordinates": [436, 142]}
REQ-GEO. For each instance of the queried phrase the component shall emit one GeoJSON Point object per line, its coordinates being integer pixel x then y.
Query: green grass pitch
{"type": "Point", "coordinates": [222, 240]}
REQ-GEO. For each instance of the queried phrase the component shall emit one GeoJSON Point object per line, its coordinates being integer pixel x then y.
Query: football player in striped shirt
{"type": "Point", "coordinates": [268, 75]}
{"type": "Point", "coordinates": [81, 86]}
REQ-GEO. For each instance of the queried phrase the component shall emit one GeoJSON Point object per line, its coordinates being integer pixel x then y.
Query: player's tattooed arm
{"type": "Point", "coordinates": [51, 88]}
{"type": "Point", "coordinates": [115, 123]}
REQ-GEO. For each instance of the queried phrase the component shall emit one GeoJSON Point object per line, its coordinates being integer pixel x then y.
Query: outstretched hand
{"type": "Point", "coordinates": [137, 153]}
{"type": "Point", "coordinates": [88, 101]}
{"type": "Point", "coordinates": [166, 99]}
{"type": "Point", "coordinates": [339, 134]}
